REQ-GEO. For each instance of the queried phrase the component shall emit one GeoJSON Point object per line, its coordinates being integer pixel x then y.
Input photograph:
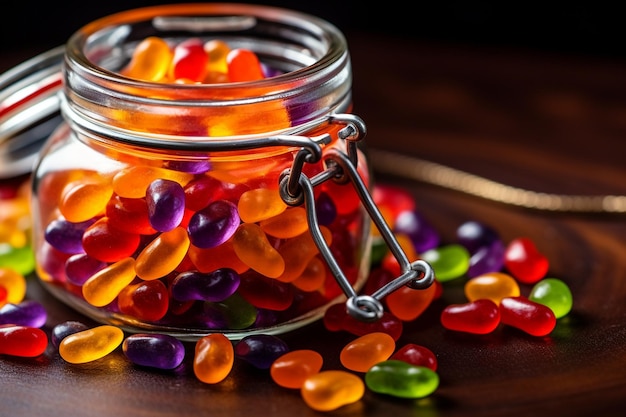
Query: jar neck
{"type": "Point", "coordinates": [310, 55]}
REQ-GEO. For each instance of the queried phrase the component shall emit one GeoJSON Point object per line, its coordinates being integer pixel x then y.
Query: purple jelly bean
{"type": "Point", "coordinates": [62, 330]}
{"type": "Point", "coordinates": [80, 267]}
{"type": "Point", "coordinates": [166, 204]}
{"type": "Point", "coordinates": [154, 350]}
{"type": "Point", "coordinates": [191, 167]}
{"type": "Point", "coordinates": [65, 236]}
{"type": "Point", "coordinates": [214, 286]}
{"type": "Point", "coordinates": [474, 235]}
{"type": "Point", "coordinates": [260, 350]}
{"type": "Point", "coordinates": [27, 313]}
{"type": "Point", "coordinates": [214, 224]}
{"type": "Point", "coordinates": [422, 234]}
{"type": "Point", "coordinates": [489, 258]}
{"type": "Point", "coordinates": [325, 209]}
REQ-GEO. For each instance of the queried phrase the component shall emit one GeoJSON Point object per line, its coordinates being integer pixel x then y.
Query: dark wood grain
{"type": "Point", "coordinates": [543, 122]}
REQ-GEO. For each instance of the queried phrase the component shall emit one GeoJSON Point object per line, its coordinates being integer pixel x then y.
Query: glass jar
{"type": "Point", "coordinates": [192, 208]}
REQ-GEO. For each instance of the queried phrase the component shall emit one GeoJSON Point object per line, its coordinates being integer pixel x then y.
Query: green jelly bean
{"type": "Point", "coordinates": [553, 293]}
{"type": "Point", "coordinates": [449, 261]}
{"type": "Point", "coordinates": [235, 310]}
{"type": "Point", "coordinates": [21, 259]}
{"type": "Point", "coordinates": [401, 379]}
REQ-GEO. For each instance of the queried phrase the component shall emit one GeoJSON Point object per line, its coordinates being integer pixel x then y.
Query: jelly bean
{"type": "Point", "coordinates": [130, 215]}
{"type": "Point", "coordinates": [243, 65]}
{"type": "Point", "coordinates": [449, 262]}
{"type": "Point", "coordinates": [51, 263]}
{"type": "Point", "coordinates": [408, 304]}
{"type": "Point", "coordinates": [62, 330]}
{"type": "Point", "coordinates": [146, 301]}
{"type": "Point", "coordinates": [202, 191]}
{"type": "Point", "coordinates": [402, 380]}
{"type": "Point", "coordinates": [91, 344]}
{"type": "Point", "coordinates": [22, 341]}
{"type": "Point", "coordinates": [260, 350]}
{"type": "Point", "coordinates": [414, 225]}
{"type": "Point", "coordinates": [474, 235]}
{"type": "Point", "coordinates": [217, 50]}
{"type": "Point", "coordinates": [253, 248]}
{"type": "Point", "coordinates": [477, 317]}
{"type": "Point", "coordinates": [336, 318]}
{"type": "Point", "coordinates": [214, 357]}
{"type": "Point", "coordinates": [190, 167]}
{"type": "Point", "coordinates": [397, 199]}
{"type": "Point", "coordinates": [554, 293]}
{"type": "Point", "coordinates": [150, 60]}
{"type": "Point", "coordinates": [159, 351]}
{"type": "Point", "coordinates": [14, 283]}
{"type": "Point", "coordinates": [132, 182]}
{"type": "Point", "coordinates": [330, 390]}
{"type": "Point", "coordinates": [214, 286]}
{"type": "Point", "coordinates": [264, 292]}
{"type": "Point", "coordinates": [80, 267]}
{"type": "Point", "coordinates": [325, 209]}
{"type": "Point", "coordinates": [20, 259]}
{"type": "Point", "coordinates": [524, 261]}
{"type": "Point", "coordinates": [389, 260]}
{"type": "Point", "coordinates": [493, 286]}
{"type": "Point", "coordinates": [313, 276]}
{"type": "Point", "coordinates": [298, 251]}
{"type": "Point", "coordinates": [166, 204]}
{"type": "Point", "coordinates": [290, 223]}
{"type": "Point", "coordinates": [214, 224]}
{"type": "Point", "coordinates": [66, 236]}
{"type": "Point", "coordinates": [235, 312]}
{"type": "Point", "coordinates": [489, 258]}
{"type": "Point", "coordinates": [189, 61]}
{"type": "Point", "coordinates": [416, 355]}
{"type": "Point", "coordinates": [102, 288]}
{"type": "Point", "coordinates": [162, 255]}
{"type": "Point", "coordinates": [85, 199]}
{"type": "Point", "coordinates": [106, 243]}
{"type": "Point", "coordinates": [531, 317]}
{"type": "Point", "coordinates": [362, 353]}
{"type": "Point", "coordinates": [293, 368]}
{"type": "Point", "coordinates": [29, 313]}
{"type": "Point", "coordinates": [223, 256]}
{"type": "Point", "coordinates": [260, 204]}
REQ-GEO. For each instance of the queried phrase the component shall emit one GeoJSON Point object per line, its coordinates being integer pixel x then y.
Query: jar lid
{"type": "Point", "coordinates": [29, 110]}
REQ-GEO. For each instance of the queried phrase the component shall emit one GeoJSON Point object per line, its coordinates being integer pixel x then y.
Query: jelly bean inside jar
{"type": "Point", "coordinates": [193, 187]}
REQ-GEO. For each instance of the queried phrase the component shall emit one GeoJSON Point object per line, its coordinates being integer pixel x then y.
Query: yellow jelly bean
{"type": "Point", "coordinates": [260, 204]}
{"type": "Point", "coordinates": [213, 358]}
{"type": "Point", "coordinates": [163, 254]}
{"type": "Point", "coordinates": [217, 50]}
{"type": "Point", "coordinates": [297, 253]}
{"type": "Point", "coordinates": [290, 223]}
{"type": "Point", "coordinates": [84, 199]}
{"type": "Point", "coordinates": [253, 248]}
{"type": "Point", "coordinates": [493, 286]}
{"type": "Point", "coordinates": [90, 345]}
{"type": "Point", "coordinates": [15, 285]}
{"type": "Point", "coordinates": [329, 390]}
{"type": "Point", "coordinates": [150, 61]}
{"type": "Point", "coordinates": [102, 287]}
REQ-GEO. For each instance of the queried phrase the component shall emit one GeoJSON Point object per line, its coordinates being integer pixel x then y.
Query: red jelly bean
{"type": "Point", "coordinates": [416, 355]}
{"type": "Point", "coordinates": [478, 317]}
{"type": "Point", "coordinates": [531, 317]}
{"type": "Point", "coordinates": [129, 214]}
{"type": "Point", "coordinates": [148, 300]}
{"type": "Point", "coordinates": [22, 341]}
{"type": "Point", "coordinates": [243, 65]}
{"type": "Point", "coordinates": [104, 242]}
{"type": "Point", "coordinates": [524, 261]}
{"type": "Point", "coordinates": [189, 61]}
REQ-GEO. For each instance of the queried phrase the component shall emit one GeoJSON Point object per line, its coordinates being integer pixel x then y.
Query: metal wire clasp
{"type": "Point", "coordinates": [296, 188]}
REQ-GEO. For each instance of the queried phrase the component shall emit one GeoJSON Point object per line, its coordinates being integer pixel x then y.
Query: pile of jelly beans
{"type": "Point", "coordinates": [494, 274]}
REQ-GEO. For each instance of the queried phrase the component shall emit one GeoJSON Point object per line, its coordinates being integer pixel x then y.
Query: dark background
{"type": "Point", "coordinates": [583, 28]}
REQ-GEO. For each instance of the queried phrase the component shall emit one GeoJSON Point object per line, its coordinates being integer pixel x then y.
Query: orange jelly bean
{"type": "Point", "coordinates": [407, 304]}
{"type": "Point", "coordinates": [102, 288]}
{"type": "Point", "coordinates": [217, 50]}
{"type": "Point", "coordinates": [213, 358]}
{"type": "Point", "coordinates": [90, 345]}
{"type": "Point", "coordinates": [163, 254]}
{"type": "Point", "coordinates": [243, 65]}
{"type": "Point", "coordinates": [293, 368]}
{"type": "Point", "coordinates": [260, 204]}
{"type": "Point", "coordinates": [330, 390]}
{"type": "Point", "coordinates": [150, 61]}
{"type": "Point", "coordinates": [253, 248]}
{"type": "Point", "coordinates": [493, 286]}
{"type": "Point", "coordinates": [290, 223]}
{"type": "Point", "coordinates": [366, 351]}
{"type": "Point", "coordinates": [297, 253]}
{"type": "Point", "coordinates": [14, 283]}
{"type": "Point", "coordinates": [82, 200]}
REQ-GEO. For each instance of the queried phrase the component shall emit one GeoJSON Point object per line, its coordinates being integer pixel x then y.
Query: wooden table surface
{"type": "Point", "coordinates": [543, 122]}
